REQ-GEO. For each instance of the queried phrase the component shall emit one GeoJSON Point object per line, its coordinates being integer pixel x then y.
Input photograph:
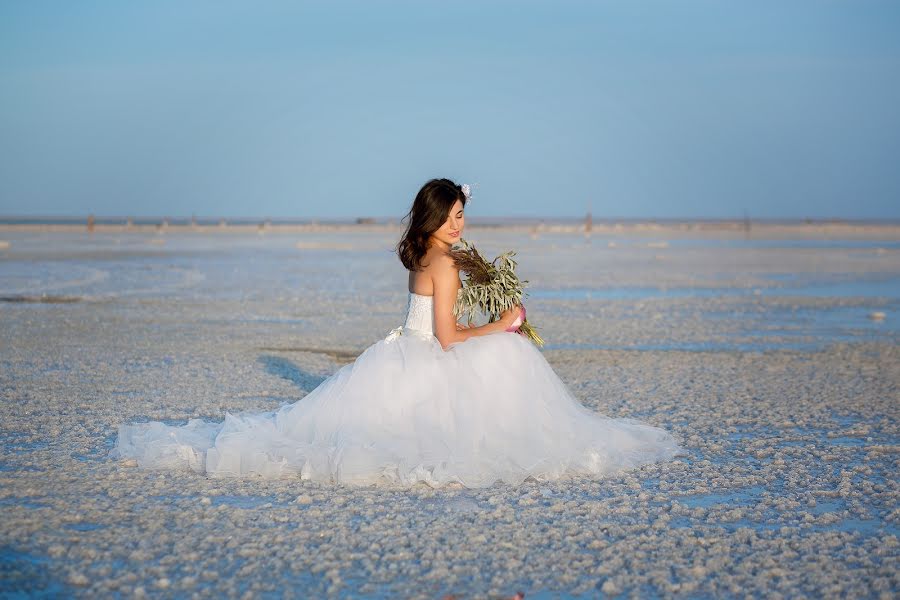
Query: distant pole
{"type": "Point", "coordinates": [588, 221]}
{"type": "Point", "coordinates": [90, 224]}
{"type": "Point", "coordinates": [746, 224]}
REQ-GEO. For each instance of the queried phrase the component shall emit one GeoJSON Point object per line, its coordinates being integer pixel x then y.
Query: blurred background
{"type": "Point", "coordinates": [341, 110]}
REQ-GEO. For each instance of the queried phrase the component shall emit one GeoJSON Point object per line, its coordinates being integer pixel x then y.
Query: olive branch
{"type": "Point", "coordinates": [489, 287]}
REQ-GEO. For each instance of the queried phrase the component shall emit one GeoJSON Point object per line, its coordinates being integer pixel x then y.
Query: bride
{"type": "Point", "coordinates": [434, 402]}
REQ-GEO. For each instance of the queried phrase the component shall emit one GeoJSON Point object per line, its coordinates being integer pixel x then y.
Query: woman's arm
{"type": "Point", "coordinates": [445, 278]}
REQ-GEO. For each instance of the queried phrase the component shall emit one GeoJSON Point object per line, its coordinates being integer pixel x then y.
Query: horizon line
{"type": "Point", "coordinates": [8, 219]}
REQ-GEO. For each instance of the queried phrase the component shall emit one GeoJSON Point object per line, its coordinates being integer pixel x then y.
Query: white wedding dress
{"type": "Point", "coordinates": [487, 409]}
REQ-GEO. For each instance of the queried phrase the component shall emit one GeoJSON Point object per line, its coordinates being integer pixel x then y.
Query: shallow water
{"type": "Point", "coordinates": [788, 285]}
{"type": "Point", "coordinates": [271, 273]}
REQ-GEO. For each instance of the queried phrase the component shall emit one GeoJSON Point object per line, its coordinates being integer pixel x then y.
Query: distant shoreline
{"type": "Point", "coordinates": [491, 221]}
{"type": "Point", "coordinates": [736, 228]}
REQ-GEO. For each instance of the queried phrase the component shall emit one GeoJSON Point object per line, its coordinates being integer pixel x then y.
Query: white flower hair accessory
{"type": "Point", "coordinates": [467, 191]}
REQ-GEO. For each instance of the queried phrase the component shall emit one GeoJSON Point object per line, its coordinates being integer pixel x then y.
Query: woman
{"type": "Point", "coordinates": [436, 221]}
{"type": "Point", "coordinates": [433, 402]}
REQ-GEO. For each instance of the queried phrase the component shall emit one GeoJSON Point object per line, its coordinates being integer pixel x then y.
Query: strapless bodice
{"type": "Point", "coordinates": [420, 313]}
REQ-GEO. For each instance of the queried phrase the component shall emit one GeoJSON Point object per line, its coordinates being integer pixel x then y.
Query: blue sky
{"type": "Point", "coordinates": [341, 109]}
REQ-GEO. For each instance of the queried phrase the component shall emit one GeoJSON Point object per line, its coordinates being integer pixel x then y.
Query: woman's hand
{"type": "Point", "coordinates": [461, 326]}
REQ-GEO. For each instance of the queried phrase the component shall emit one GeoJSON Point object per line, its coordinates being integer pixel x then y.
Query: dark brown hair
{"type": "Point", "coordinates": [429, 211]}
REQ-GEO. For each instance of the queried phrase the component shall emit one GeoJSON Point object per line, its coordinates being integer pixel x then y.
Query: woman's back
{"type": "Point", "coordinates": [420, 314]}
{"type": "Point", "coordinates": [434, 264]}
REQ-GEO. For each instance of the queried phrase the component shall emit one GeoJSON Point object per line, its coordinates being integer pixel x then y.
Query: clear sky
{"type": "Point", "coordinates": [342, 109]}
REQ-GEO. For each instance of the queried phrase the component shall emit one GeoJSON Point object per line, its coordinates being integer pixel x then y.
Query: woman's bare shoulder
{"type": "Point", "coordinates": [440, 263]}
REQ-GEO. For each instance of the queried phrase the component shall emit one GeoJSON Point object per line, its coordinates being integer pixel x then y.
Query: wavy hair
{"type": "Point", "coordinates": [429, 211]}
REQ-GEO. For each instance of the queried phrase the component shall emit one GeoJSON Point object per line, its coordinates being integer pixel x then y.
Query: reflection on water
{"type": "Point", "coordinates": [872, 315]}
{"type": "Point", "coordinates": [786, 285]}
{"type": "Point", "coordinates": [787, 243]}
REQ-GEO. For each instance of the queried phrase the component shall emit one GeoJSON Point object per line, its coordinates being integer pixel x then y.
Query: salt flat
{"type": "Point", "coordinates": [766, 358]}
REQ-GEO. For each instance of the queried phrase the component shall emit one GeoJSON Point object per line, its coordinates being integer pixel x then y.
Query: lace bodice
{"type": "Point", "coordinates": [420, 313]}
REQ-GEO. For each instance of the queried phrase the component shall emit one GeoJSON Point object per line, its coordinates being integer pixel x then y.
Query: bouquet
{"type": "Point", "coordinates": [490, 288]}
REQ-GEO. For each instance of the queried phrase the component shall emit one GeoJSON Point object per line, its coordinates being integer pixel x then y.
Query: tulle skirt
{"type": "Point", "coordinates": [488, 409]}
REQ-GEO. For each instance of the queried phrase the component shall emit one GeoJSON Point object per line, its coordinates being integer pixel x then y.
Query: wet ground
{"type": "Point", "coordinates": [774, 362]}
